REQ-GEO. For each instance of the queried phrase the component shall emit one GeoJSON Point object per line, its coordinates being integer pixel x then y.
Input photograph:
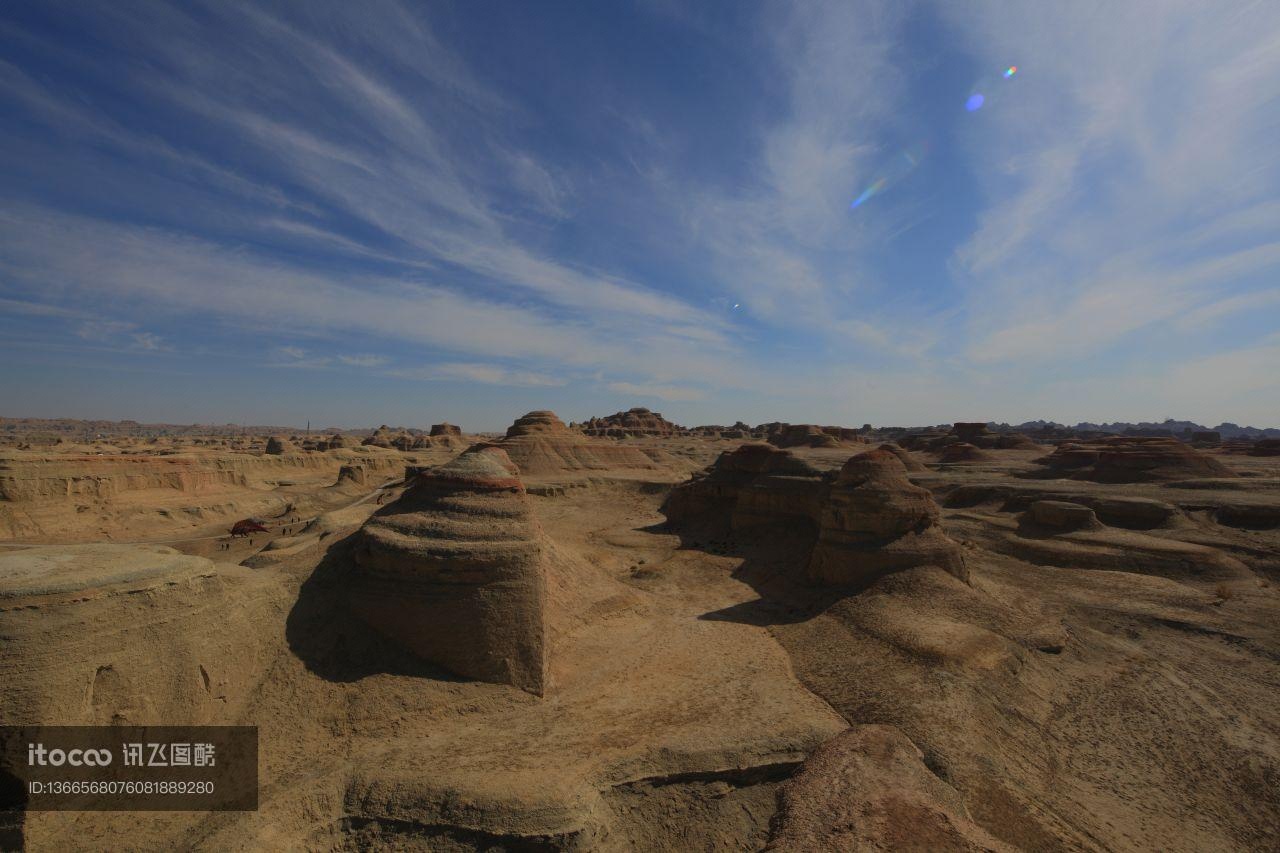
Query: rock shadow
{"type": "Point", "coordinates": [335, 644]}
{"type": "Point", "coordinates": [774, 558]}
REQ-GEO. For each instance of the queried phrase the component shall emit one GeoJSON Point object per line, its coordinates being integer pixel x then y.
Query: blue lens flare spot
{"type": "Point", "coordinates": [975, 102]}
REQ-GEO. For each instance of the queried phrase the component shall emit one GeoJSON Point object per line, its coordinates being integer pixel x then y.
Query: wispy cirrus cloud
{"type": "Point", "coordinates": [486, 374]}
{"type": "Point", "coordinates": [370, 188]}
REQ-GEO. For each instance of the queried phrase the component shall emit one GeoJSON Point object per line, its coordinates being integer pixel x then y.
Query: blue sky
{"type": "Point", "coordinates": [356, 213]}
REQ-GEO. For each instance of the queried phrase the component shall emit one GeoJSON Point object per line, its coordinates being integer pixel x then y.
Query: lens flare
{"type": "Point", "coordinates": [895, 169]}
{"type": "Point", "coordinates": [975, 102]}
{"type": "Point", "coordinates": [1010, 71]}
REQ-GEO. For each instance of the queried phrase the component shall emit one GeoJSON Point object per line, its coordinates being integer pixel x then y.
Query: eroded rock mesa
{"type": "Point", "coordinates": [454, 571]}
{"type": "Point", "coordinates": [1134, 459]}
{"type": "Point", "coordinates": [875, 521]}
{"type": "Point", "coordinates": [541, 445]}
{"type": "Point", "coordinates": [867, 521]}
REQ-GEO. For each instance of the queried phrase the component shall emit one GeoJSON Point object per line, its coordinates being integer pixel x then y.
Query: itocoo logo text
{"type": "Point", "coordinates": [37, 755]}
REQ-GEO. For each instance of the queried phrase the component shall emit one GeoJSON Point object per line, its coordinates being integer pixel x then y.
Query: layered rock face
{"type": "Point", "coordinates": [446, 429]}
{"type": "Point", "coordinates": [455, 572]}
{"type": "Point", "coordinates": [541, 445]}
{"type": "Point", "coordinates": [1134, 459]}
{"type": "Point", "coordinates": [908, 460]}
{"type": "Point", "coordinates": [753, 485]}
{"type": "Point", "coordinates": [869, 522]}
{"type": "Point", "coordinates": [636, 422]}
{"type": "Point", "coordinates": [129, 634]}
{"type": "Point", "coordinates": [875, 521]}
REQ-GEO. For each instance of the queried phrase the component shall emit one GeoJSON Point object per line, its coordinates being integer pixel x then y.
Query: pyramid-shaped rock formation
{"type": "Point", "coordinates": [876, 521]}
{"type": "Point", "coordinates": [382, 437]}
{"type": "Point", "coordinates": [541, 445]}
{"type": "Point", "coordinates": [455, 572]}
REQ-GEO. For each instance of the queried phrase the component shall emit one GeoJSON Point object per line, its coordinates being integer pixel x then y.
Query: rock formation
{"type": "Point", "coordinates": [382, 437]}
{"type": "Point", "coordinates": [875, 521]}
{"type": "Point", "coordinates": [1134, 459]}
{"type": "Point", "coordinates": [811, 435]}
{"type": "Point", "coordinates": [542, 446]}
{"type": "Point", "coordinates": [128, 634]}
{"type": "Point", "coordinates": [962, 452]}
{"type": "Point", "coordinates": [1266, 447]}
{"type": "Point", "coordinates": [869, 522]}
{"type": "Point", "coordinates": [1206, 438]}
{"type": "Point", "coordinates": [973, 433]}
{"type": "Point", "coordinates": [1062, 515]}
{"type": "Point", "coordinates": [352, 474]}
{"type": "Point", "coordinates": [906, 457]}
{"type": "Point", "coordinates": [278, 445]}
{"type": "Point", "coordinates": [445, 429]}
{"type": "Point", "coordinates": [454, 572]}
{"type": "Point", "coordinates": [1015, 441]}
{"type": "Point", "coordinates": [870, 789]}
{"type": "Point", "coordinates": [753, 485]}
{"type": "Point", "coordinates": [636, 422]}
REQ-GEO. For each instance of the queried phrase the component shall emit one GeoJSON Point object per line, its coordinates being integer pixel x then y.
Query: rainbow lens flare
{"type": "Point", "coordinates": [893, 170]}
{"type": "Point", "coordinates": [1010, 71]}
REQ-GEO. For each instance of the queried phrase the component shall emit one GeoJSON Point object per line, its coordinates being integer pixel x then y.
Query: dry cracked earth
{"type": "Point", "coordinates": [551, 640]}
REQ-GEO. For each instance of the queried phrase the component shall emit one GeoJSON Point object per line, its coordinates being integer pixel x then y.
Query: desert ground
{"type": "Point", "coordinates": [623, 635]}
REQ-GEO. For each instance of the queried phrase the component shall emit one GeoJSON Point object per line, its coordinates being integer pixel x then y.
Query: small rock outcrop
{"type": "Point", "coordinates": [875, 521]}
{"type": "Point", "coordinates": [1062, 515]}
{"type": "Point", "coordinates": [278, 445]}
{"type": "Point", "coordinates": [445, 429]}
{"type": "Point", "coordinates": [962, 452]}
{"type": "Point", "coordinates": [382, 437]}
{"type": "Point", "coordinates": [869, 788]}
{"type": "Point", "coordinates": [635, 422]}
{"type": "Point", "coordinates": [454, 571]}
{"type": "Point", "coordinates": [353, 474]}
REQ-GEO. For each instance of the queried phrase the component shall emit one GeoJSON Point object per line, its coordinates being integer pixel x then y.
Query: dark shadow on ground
{"type": "Point", "coordinates": [333, 642]}
{"type": "Point", "coordinates": [774, 559]}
